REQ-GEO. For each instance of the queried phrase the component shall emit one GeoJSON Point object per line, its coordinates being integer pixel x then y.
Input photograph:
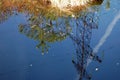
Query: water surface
{"type": "Point", "coordinates": [66, 49]}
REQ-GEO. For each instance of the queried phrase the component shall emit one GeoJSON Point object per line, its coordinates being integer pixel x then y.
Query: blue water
{"type": "Point", "coordinates": [21, 60]}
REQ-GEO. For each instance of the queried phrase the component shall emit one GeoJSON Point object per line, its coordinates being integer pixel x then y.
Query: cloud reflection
{"type": "Point", "coordinates": [106, 35]}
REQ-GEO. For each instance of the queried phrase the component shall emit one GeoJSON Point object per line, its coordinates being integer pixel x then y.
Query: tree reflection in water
{"type": "Point", "coordinates": [45, 33]}
{"type": "Point", "coordinates": [45, 27]}
{"type": "Point", "coordinates": [81, 38]}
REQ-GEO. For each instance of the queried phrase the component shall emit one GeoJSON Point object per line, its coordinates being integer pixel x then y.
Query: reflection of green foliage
{"type": "Point", "coordinates": [108, 4]}
{"type": "Point", "coordinates": [44, 35]}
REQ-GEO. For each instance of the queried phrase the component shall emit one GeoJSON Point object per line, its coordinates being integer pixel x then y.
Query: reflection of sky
{"type": "Point", "coordinates": [110, 68]}
{"type": "Point", "coordinates": [106, 34]}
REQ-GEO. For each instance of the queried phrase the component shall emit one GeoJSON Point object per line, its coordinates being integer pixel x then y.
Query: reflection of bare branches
{"type": "Point", "coordinates": [81, 38]}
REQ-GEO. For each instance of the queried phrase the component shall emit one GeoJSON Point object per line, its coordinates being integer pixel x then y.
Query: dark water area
{"type": "Point", "coordinates": [88, 51]}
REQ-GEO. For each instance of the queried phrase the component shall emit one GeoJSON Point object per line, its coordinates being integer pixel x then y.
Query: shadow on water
{"type": "Point", "coordinates": [48, 26]}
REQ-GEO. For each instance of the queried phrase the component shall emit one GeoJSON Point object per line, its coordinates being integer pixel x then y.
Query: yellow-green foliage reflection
{"type": "Point", "coordinates": [45, 33]}
{"type": "Point", "coordinates": [108, 4]}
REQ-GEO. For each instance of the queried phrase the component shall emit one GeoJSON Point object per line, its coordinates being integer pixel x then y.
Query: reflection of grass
{"type": "Point", "coordinates": [45, 7]}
